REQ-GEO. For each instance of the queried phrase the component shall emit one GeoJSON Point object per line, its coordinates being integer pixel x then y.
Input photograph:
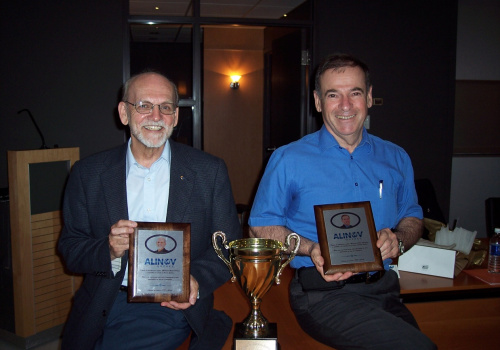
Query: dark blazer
{"type": "Point", "coordinates": [95, 199]}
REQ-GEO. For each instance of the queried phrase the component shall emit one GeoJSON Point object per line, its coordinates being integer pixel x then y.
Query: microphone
{"type": "Point", "coordinates": [43, 146]}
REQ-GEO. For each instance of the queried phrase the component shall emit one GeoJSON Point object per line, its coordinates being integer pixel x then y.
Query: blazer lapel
{"type": "Point", "coordinates": [114, 187]}
{"type": "Point", "coordinates": [182, 180]}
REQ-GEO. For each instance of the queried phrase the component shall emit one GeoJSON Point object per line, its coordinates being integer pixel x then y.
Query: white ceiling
{"type": "Point", "coordinates": [269, 9]}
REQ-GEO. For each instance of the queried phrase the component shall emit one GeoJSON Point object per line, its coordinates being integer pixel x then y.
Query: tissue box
{"type": "Point", "coordinates": [428, 261]}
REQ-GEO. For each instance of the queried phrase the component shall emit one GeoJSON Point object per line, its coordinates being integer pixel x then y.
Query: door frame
{"type": "Point", "coordinates": [196, 22]}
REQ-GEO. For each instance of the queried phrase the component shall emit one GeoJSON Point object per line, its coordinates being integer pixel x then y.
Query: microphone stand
{"type": "Point", "coordinates": [43, 146]}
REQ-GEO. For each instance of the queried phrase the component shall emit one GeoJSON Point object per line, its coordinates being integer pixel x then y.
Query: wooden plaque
{"type": "Point", "coordinates": [347, 237]}
{"type": "Point", "coordinates": [159, 259]}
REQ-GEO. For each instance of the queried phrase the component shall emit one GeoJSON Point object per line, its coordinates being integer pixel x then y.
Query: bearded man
{"type": "Point", "coordinates": [150, 178]}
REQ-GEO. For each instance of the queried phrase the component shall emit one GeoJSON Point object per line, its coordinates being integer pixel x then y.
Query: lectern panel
{"type": "Point", "coordinates": [47, 181]}
{"type": "Point", "coordinates": [42, 289]}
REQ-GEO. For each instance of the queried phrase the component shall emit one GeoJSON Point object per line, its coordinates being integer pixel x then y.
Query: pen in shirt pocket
{"type": "Point", "coordinates": [380, 188]}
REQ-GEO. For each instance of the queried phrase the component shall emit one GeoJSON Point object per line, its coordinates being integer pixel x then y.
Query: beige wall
{"type": "Point", "coordinates": [232, 119]}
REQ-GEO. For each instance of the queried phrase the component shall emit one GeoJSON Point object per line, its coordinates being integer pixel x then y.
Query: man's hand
{"type": "Point", "coordinates": [307, 247]}
{"type": "Point", "coordinates": [119, 237]}
{"type": "Point", "coordinates": [409, 230]}
{"type": "Point", "coordinates": [388, 243]}
{"type": "Point", "coordinates": [193, 296]}
{"type": "Point", "coordinates": [318, 261]}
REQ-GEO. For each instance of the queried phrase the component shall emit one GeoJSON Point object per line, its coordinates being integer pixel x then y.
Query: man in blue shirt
{"type": "Point", "coordinates": [342, 163]}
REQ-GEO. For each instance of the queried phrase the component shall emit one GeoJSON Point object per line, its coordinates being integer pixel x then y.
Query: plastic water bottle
{"type": "Point", "coordinates": [494, 260]}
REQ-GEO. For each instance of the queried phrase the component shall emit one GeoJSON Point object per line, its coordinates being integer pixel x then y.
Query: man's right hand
{"type": "Point", "coordinates": [119, 237]}
{"type": "Point", "coordinates": [318, 261]}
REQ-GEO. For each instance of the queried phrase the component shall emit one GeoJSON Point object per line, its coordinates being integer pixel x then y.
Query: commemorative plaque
{"type": "Point", "coordinates": [159, 258]}
{"type": "Point", "coordinates": [347, 237]}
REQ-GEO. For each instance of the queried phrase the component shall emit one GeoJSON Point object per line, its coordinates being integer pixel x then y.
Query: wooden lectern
{"type": "Point", "coordinates": [42, 289]}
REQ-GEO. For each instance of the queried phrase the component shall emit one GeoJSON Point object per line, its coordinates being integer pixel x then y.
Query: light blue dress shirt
{"type": "Point", "coordinates": [147, 192]}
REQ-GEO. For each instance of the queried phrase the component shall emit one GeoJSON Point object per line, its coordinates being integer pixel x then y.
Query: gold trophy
{"type": "Point", "coordinates": [256, 263]}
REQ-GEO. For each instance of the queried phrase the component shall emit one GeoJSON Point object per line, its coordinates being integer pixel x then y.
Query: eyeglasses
{"type": "Point", "coordinates": [145, 107]}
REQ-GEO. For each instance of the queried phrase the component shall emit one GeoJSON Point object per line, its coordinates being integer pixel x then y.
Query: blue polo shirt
{"type": "Point", "coordinates": [316, 170]}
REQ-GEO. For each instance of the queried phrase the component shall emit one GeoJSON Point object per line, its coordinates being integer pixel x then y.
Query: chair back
{"type": "Point", "coordinates": [492, 206]}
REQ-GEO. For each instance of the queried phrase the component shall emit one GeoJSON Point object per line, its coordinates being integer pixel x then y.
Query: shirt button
{"type": "Point", "coordinates": [149, 179]}
{"type": "Point", "coordinates": [355, 183]}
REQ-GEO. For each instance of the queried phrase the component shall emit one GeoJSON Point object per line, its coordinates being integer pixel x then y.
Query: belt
{"type": "Point", "coordinates": [311, 280]}
{"type": "Point", "coordinates": [365, 277]}
{"type": "Point", "coordinates": [123, 289]}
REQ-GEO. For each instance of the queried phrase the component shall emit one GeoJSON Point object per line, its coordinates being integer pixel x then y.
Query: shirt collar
{"type": "Point", "coordinates": [165, 155]}
{"type": "Point", "coordinates": [326, 141]}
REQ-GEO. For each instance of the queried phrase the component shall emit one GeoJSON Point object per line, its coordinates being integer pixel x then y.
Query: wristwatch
{"type": "Point", "coordinates": [401, 247]}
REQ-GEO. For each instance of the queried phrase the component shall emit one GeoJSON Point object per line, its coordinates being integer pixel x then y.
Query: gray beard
{"type": "Point", "coordinates": [150, 144]}
{"type": "Point", "coordinates": [157, 143]}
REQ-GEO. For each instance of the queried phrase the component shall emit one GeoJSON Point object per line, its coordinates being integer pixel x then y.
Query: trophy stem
{"type": "Point", "coordinates": [256, 324]}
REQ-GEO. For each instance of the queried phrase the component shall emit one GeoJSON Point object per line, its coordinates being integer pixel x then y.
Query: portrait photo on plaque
{"type": "Point", "coordinates": [347, 237]}
{"type": "Point", "coordinates": [159, 258]}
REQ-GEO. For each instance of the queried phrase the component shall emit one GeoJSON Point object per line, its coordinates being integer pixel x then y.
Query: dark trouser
{"type": "Point", "coordinates": [143, 326]}
{"type": "Point", "coordinates": [359, 316]}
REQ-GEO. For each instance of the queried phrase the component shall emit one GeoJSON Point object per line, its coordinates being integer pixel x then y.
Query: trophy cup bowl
{"type": "Point", "coordinates": [256, 263]}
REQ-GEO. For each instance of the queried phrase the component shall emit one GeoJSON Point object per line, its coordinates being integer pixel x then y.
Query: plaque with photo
{"type": "Point", "coordinates": [159, 258]}
{"type": "Point", "coordinates": [347, 237]}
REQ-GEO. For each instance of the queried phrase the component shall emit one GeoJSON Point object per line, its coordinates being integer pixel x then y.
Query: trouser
{"type": "Point", "coordinates": [359, 316]}
{"type": "Point", "coordinates": [143, 326]}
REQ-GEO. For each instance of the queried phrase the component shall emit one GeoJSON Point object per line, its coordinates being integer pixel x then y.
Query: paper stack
{"type": "Point", "coordinates": [461, 238]}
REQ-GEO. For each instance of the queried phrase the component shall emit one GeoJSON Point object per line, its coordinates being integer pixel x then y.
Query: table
{"type": "Point", "coordinates": [459, 313]}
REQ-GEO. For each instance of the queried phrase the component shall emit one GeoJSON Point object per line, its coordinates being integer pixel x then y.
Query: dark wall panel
{"type": "Point", "coordinates": [62, 60]}
{"type": "Point", "coordinates": [477, 117]}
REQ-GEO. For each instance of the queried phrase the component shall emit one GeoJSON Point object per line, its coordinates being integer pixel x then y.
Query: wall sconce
{"type": "Point", "coordinates": [235, 81]}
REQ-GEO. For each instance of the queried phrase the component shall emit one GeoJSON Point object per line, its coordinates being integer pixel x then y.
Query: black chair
{"type": "Point", "coordinates": [428, 201]}
{"type": "Point", "coordinates": [243, 211]}
{"type": "Point", "coordinates": [492, 206]}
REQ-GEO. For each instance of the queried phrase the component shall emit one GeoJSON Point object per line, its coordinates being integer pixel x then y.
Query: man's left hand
{"type": "Point", "coordinates": [193, 296]}
{"type": "Point", "coordinates": [388, 244]}
{"type": "Point", "coordinates": [319, 262]}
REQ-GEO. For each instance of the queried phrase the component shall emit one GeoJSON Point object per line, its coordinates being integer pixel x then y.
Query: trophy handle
{"type": "Point", "coordinates": [292, 254]}
{"type": "Point", "coordinates": [222, 235]}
